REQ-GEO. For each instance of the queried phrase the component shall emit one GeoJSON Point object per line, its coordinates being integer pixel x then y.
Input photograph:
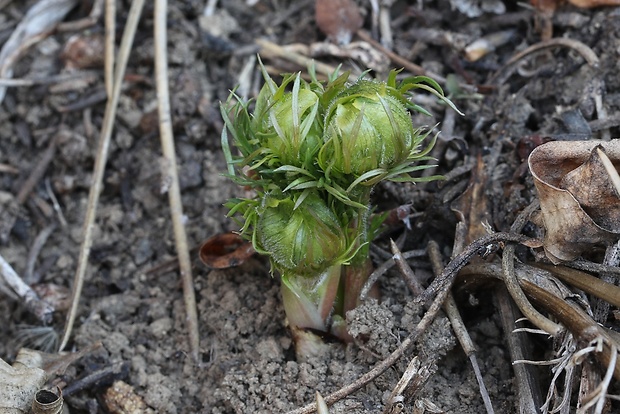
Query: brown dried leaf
{"type": "Point", "coordinates": [579, 203]}
{"type": "Point", "coordinates": [338, 19]}
{"type": "Point", "coordinates": [225, 250]}
{"type": "Point", "coordinates": [591, 186]}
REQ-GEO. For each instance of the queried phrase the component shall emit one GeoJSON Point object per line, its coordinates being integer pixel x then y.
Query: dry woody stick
{"type": "Point", "coordinates": [42, 310]}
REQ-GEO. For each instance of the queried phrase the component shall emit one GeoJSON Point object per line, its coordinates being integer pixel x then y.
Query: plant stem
{"type": "Point", "coordinates": [308, 301]}
{"type": "Point", "coordinates": [102, 155]}
{"type": "Point", "coordinates": [170, 173]}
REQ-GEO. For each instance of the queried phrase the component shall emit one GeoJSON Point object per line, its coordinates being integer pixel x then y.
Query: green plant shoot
{"type": "Point", "coordinates": [312, 153]}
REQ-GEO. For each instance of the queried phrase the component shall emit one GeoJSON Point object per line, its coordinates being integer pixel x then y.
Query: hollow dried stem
{"type": "Point", "coordinates": [100, 161]}
{"type": "Point", "coordinates": [170, 174]}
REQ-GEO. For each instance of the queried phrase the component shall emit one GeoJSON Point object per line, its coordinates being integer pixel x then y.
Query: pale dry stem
{"type": "Point", "coordinates": [100, 161]}
{"type": "Point", "coordinates": [171, 175]}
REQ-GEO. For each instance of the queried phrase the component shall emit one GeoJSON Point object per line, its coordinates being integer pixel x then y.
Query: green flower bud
{"type": "Point", "coordinates": [305, 240]}
{"type": "Point", "coordinates": [366, 128]}
{"type": "Point", "coordinates": [287, 124]}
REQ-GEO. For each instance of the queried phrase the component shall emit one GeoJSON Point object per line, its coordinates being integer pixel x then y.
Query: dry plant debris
{"type": "Point", "coordinates": [579, 191]}
{"type": "Point", "coordinates": [20, 382]}
{"type": "Point", "coordinates": [559, 89]}
{"type": "Point", "coordinates": [121, 398]}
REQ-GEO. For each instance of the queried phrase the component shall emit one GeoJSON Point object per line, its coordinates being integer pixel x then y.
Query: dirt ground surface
{"type": "Point", "coordinates": [132, 300]}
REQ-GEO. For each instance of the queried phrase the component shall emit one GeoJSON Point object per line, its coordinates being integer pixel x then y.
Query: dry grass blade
{"type": "Point", "coordinates": [88, 21]}
{"type": "Point", "coordinates": [406, 272]}
{"type": "Point", "coordinates": [321, 405]}
{"type": "Point", "coordinates": [102, 155]}
{"type": "Point", "coordinates": [380, 271]}
{"type": "Point", "coordinates": [395, 401]}
{"type": "Point", "coordinates": [512, 284]}
{"type": "Point", "coordinates": [171, 175]}
{"type": "Point", "coordinates": [110, 35]}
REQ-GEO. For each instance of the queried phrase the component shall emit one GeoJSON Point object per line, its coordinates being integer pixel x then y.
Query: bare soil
{"type": "Point", "coordinates": [134, 306]}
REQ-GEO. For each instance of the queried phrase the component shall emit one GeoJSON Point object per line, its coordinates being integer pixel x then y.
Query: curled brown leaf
{"type": "Point", "coordinates": [579, 202]}
{"type": "Point", "coordinates": [225, 250]}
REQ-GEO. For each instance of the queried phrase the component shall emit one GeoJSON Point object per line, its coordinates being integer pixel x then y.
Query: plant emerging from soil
{"type": "Point", "coordinates": [312, 153]}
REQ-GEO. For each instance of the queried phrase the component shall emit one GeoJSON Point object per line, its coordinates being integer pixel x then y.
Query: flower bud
{"type": "Point", "coordinates": [305, 239]}
{"type": "Point", "coordinates": [366, 128]}
{"type": "Point", "coordinates": [286, 123]}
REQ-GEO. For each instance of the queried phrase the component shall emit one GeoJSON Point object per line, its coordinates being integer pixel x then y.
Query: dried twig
{"type": "Point", "coordinates": [36, 25]}
{"type": "Point", "coordinates": [110, 35]}
{"type": "Point", "coordinates": [272, 50]}
{"type": "Point", "coordinates": [387, 38]}
{"type": "Point", "coordinates": [508, 69]}
{"type": "Point", "coordinates": [382, 366]}
{"type": "Point", "coordinates": [34, 251]}
{"type": "Point", "coordinates": [47, 80]}
{"type": "Point", "coordinates": [483, 246]}
{"type": "Point", "coordinates": [41, 309]}
{"type": "Point", "coordinates": [529, 397]}
{"type": "Point", "coordinates": [586, 282]}
{"type": "Point", "coordinates": [88, 21]}
{"type": "Point", "coordinates": [592, 267]}
{"type": "Point", "coordinates": [100, 162]}
{"type": "Point", "coordinates": [601, 308]}
{"type": "Point", "coordinates": [577, 321]}
{"type": "Point", "coordinates": [38, 172]}
{"type": "Point", "coordinates": [512, 284]}
{"type": "Point", "coordinates": [458, 326]}
{"type": "Point", "coordinates": [108, 374]}
{"type": "Point", "coordinates": [414, 377]}
{"type": "Point", "coordinates": [410, 278]}
{"type": "Point", "coordinates": [170, 175]}
{"type": "Point", "coordinates": [397, 59]}
{"type": "Point", "coordinates": [380, 271]}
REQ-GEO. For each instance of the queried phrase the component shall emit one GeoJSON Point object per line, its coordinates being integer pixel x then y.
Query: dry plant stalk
{"type": "Point", "coordinates": [458, 326]}
{"type": "Point", "coordinates": [577, 321]}
{"type": "Point", "coordinates": [171, 176]}
{"type": "Point", "coordinates": [102, 155]}
{"type": "Point", "coordinates": [13, 285]}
